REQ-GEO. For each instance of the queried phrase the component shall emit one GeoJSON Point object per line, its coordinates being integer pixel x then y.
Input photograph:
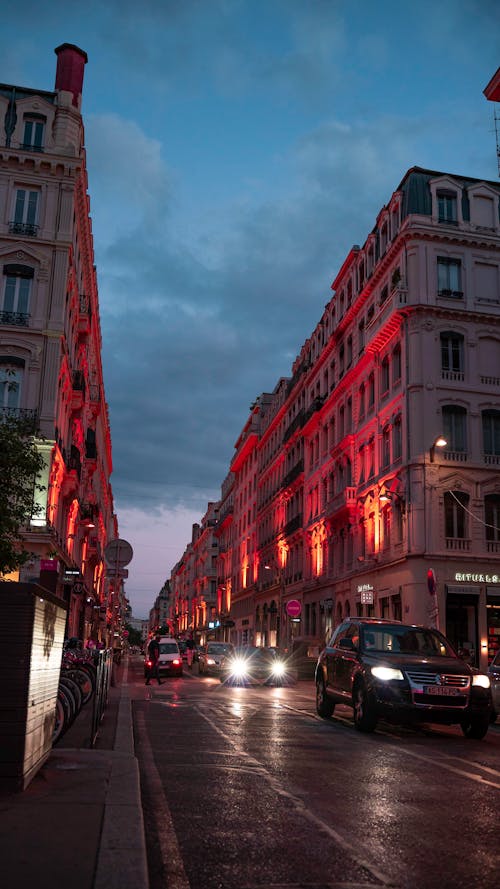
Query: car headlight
{"type": "Point", "coordinates": [387, 673]}
{"type": "Point", "coordinates": [210, 661]}
{"type": "Point", "coordinates": [481, 679]}
{"type": "Point", "coordinates": [238, 668]}
{"type": "Point", "coordinates": [278, 669]}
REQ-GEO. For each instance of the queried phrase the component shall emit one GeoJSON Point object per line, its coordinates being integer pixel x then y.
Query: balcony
{"type": "Point", "coordinates": [458, 544]}
{"type": "Point", "coordinates": [294, 473]}
{"type": "Point", "coordinates": [30, 417]}
{"type": "Point", "coordinates": [16, 319]}
{"type": "Point", "coordinates": [27, 229]}
{"type": "Point", "coordinates": [455, 456]}
{"type": "Point", "coordinates": [293, 525]}
{"type": "Point", "coordinates": [84, 315]}
{"type": "Point", "coordinates": [297, 423]}
{"type": "Point", "coordinates": [344, 500]}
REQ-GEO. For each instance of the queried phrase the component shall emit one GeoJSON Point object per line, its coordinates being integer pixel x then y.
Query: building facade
{"type": "Point", "coordinates": [50, 344]}
{"type": "Point", "coordinates": [368, 482]}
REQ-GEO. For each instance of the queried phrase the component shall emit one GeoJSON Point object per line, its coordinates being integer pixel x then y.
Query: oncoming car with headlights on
{"type": "Point", "coordinates": [403, 673]}
{"type": "Point", "coordinates": [251, 665]}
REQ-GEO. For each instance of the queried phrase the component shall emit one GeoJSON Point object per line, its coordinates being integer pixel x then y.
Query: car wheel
{"type": "Point", "coordinates": [365, 717]}
{"type": "Point", "coordinates": [475, 727]}
{"type": "Point", "coordinates": [324, 707]}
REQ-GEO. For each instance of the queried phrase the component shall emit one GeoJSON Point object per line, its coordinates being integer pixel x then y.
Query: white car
{"type": "Point", "coordinates": [170, 661]}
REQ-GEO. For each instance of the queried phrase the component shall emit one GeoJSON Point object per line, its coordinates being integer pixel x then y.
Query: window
{"type": "Point", "coordinates": [371, 390]}
{"type": "Point", "coordinates": [386, 448]}
{"type": "Point", "coordinates": [361, 401]}
{"type": "Point", "coordinates": [492, 516]}
{"type": "Point", "coordinates": [25, 213]}
{"type": "Point", "coordinates": [452, 354]}
{"type": "Point", "coordinates": [361, 336]}
{"type": "Point", "coordinates": [34, 127]}
{"type": "Point", "coordinates": [396, 365]}
{"type": "Point", "coordinates": [447, 207]}
{"type": "Point", "coordinates": [455, 513]}
{"type": "Point", "coordinates": [491, 432]}
{"type": "Point", "coordinates": [384, 294]}
{"type": "Point", "coordinates": [11, 374]}
{"type": "Point", "coordinates": [455, 427]}
{"type": "Point", "coordinates": [449, 277]}
{"type": "Point", "coordinates": [384, 376]}
{"type": "Point", "coordinates": [14, 305]}
{"type": "Point", "coordinates": [349, 351]}
{"type": "Point", "coordinates": [341, 361]}
{"type": "Point", "coordinates": [397, 440]}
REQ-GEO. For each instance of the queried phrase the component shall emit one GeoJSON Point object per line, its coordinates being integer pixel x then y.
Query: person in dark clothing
{"type": "Point", "coordinates": [154, 657]}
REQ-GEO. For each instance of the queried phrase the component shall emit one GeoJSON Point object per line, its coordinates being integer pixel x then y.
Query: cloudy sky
{"type": "Point", "coordinates": [236, 150]}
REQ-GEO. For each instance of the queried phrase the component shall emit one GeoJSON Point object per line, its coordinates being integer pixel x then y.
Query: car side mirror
{"type": "Point", "coordinates": [347, 644]}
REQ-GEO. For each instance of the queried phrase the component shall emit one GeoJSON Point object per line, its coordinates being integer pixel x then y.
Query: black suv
{"type": "Point", "coordinates": [405, 674]}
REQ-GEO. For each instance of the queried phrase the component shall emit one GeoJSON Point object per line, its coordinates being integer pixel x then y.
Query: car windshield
{"type": "Point", "coordinates": [219, 648]}
{"type": "Point", "coordinates": [169, 648]}
{"type": "Point", "coordinates": [406, 640]}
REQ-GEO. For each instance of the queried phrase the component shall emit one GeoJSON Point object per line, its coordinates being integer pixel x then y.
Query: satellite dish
{"type": "Point", "coordinates": [118, 553]}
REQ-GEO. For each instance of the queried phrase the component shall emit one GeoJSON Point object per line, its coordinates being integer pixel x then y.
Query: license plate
{"type": "Point", "coordinates": [442, 690]}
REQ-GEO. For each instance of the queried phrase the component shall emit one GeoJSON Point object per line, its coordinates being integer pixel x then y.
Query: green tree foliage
{"type": "Point", "coordinates": [20, 463]}
{"type": "Point", "coordinates": [134, 636]}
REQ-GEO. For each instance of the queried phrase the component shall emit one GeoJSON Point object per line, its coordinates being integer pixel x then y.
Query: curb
{"type": "Point", "coordinates": [122, 859]}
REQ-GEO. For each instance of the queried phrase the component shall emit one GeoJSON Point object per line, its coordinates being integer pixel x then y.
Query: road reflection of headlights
{"type": "Point", "coordinates": [278, 669]}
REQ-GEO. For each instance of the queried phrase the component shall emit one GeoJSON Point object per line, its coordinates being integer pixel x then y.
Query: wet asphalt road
{"type": "Point", "coordinates": [248, 787]}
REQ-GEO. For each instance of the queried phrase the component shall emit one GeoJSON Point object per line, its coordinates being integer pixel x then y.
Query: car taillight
{"type": "Point", "coordinates": [149, 663]}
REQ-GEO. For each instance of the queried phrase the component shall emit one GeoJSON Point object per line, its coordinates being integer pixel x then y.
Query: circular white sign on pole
{"type": "Point", "coordinates": [118, 553]}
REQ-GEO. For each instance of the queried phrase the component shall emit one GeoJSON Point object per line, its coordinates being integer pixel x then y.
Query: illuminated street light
{"type": "Point", "coordinates": [439, 442]}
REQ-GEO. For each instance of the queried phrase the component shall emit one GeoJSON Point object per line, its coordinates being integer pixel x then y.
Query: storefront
{"type": "Point", "coordinates": [472, 615]}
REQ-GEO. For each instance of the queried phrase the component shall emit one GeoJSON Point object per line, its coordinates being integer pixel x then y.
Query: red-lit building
{"type": "Point", "coordinates": [50, 343]}
{"type": "Point", "coordinates": [358, 509]}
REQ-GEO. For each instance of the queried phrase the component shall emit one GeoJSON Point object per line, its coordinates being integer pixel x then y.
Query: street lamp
{"type": "Point", "coordinates": [439, 442]}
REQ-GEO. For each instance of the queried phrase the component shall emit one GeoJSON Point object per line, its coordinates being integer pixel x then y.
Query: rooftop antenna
{"type": "Point", "coordinates": [496, 118]}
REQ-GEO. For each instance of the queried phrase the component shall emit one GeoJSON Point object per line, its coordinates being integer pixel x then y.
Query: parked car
{"type": "Point", "coordinates": [249, 665]}
{"type": "Point", "coordinates": [402, 673]}
{"type": "Point", "coordinates": [170, 662]}
{"type": "Point", "coordinates": [494, 674]}
{"type": "Point", "coordinates": [211, 656]}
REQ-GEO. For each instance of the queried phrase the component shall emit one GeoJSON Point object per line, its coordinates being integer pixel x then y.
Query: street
{"type": "Point", "coordinates": [248, 787]}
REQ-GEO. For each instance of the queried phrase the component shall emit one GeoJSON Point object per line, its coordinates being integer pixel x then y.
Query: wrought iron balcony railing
{"type": "Point", "coordinates": [17, 319]}
{"type": "Point", "coordinates": [24, 228]}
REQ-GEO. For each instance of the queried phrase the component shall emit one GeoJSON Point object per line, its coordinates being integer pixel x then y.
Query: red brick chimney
{"type": "Point", "coordinates": [70, 66]}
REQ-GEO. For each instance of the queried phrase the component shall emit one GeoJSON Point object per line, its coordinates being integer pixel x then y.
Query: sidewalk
{"type": "Point", "coordinates": [79, 823]}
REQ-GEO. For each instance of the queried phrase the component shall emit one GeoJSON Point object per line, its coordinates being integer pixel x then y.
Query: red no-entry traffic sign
{"type": "Point", "coordinates": [293, 608]}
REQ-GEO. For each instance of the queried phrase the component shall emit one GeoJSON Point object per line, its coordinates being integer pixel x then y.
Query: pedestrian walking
{"type": "Point", "coordinates": [154, 657]}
